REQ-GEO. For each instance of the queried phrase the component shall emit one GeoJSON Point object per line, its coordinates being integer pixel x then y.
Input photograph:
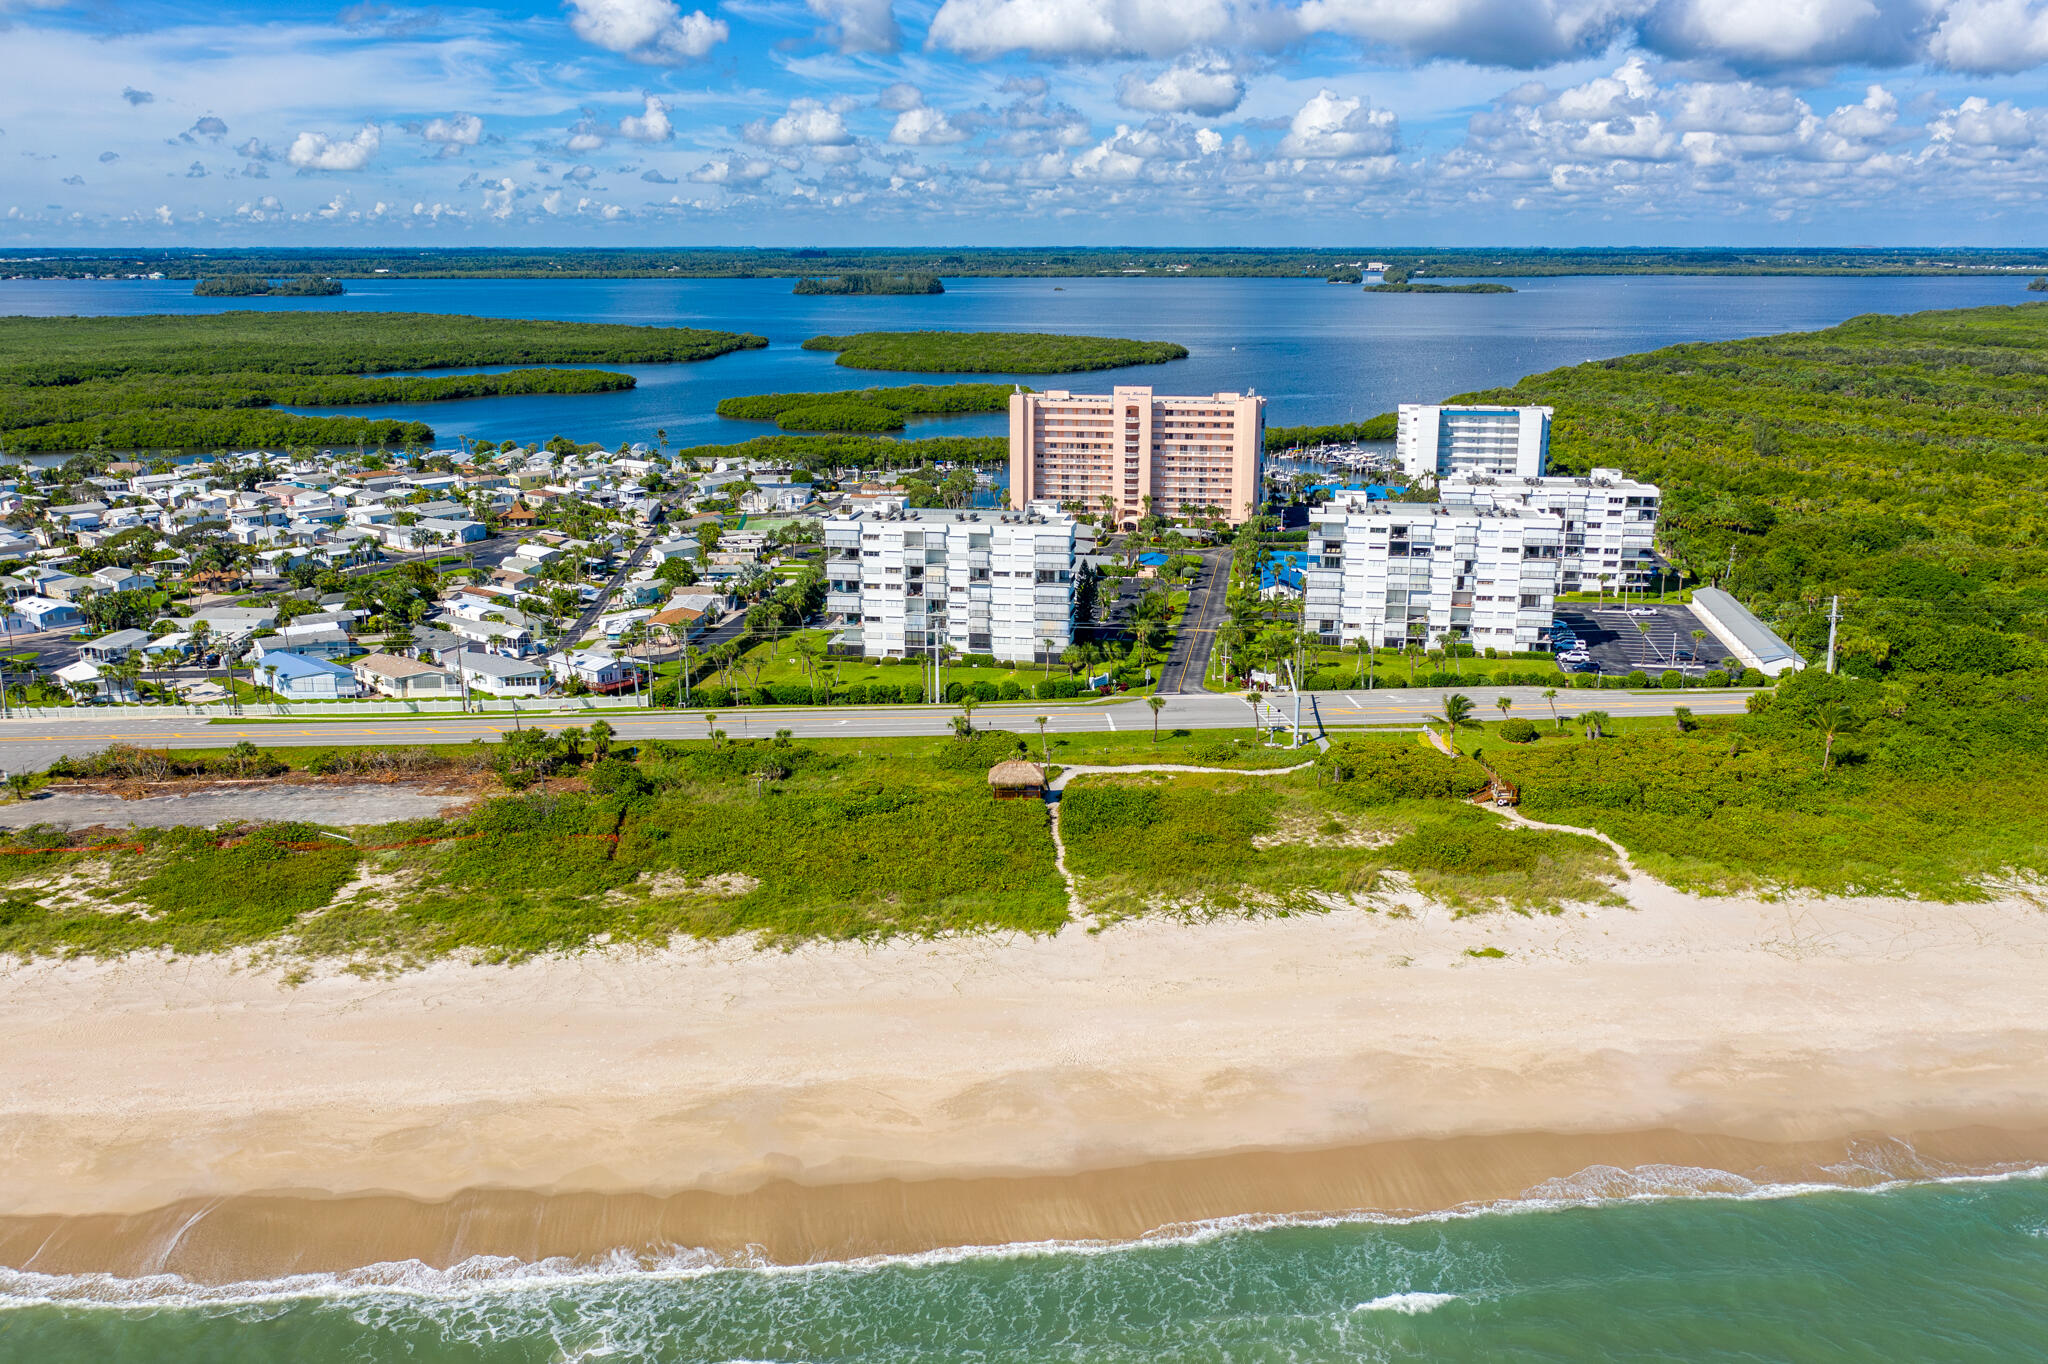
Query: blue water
{"type": "Point", "coordinates": [1954, 1272]}
{"type": "Point", "coordinates": [1321, 353]}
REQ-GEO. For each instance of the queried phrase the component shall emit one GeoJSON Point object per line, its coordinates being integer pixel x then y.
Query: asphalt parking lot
{"type": "Point", "coordinates": [1663, 641]}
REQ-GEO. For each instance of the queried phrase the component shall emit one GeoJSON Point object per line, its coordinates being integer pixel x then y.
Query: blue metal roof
{"type": "Point", "coordinates": [299, 665]}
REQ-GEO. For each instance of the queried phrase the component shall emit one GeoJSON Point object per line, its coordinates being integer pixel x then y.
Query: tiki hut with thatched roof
{"type": "Point", "coordinates": [1015, 777]}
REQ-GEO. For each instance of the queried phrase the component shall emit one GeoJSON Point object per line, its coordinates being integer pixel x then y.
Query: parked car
{"type": "Point", "coordinates": [1574, 656]}
{"type": "Point", "coordinates": [1642, 611]}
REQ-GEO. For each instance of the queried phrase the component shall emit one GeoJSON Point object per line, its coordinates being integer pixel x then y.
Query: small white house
{"type": "Point", "coordinates": [596, 670]}
{"type": "Point", "coordinates": [502, 676]}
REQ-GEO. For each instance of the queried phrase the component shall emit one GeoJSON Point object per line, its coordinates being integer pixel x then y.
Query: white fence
{"type": "Point", "coordinates": [333, 710]}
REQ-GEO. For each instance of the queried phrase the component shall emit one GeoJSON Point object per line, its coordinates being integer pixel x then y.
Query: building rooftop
{"type": "Point", "coordinates": [396, 665]}
{"type": "Point", "coordinates": [987, 516]}
{"type": "Point", "coordinates": [1738, 621]}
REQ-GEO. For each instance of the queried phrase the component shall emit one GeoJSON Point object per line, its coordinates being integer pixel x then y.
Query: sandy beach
{"type": "Point", "coordinates": [210, 1119]}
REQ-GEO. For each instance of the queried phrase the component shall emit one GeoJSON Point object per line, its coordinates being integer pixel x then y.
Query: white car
{"type": "Point", "coordinates": [1642, 611]}
{"type": "Point", "coordinates": [1575, 656]}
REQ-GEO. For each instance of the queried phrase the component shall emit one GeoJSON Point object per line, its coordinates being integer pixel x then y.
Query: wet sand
{"type": "Point", "coordinates": [212, 1120]}
{"type": "Point", "coordinates": [257, 1237]}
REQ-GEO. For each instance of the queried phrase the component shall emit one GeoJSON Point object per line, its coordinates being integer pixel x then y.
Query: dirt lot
{"type": "Point", "coordinates": [361, 803]}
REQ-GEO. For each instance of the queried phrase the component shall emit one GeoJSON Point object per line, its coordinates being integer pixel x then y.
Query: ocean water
{"type": "Point", "coordinates": [1320, 353]}
{"type": "Point", "coordinates": [1952, 1270]}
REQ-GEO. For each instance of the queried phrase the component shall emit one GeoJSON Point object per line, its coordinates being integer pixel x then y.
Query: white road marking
{"type": "Point", "coordinates": [1111, 718]}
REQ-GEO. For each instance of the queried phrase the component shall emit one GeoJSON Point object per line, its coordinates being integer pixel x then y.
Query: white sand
{"type": "Point", "coordinates": [125, 1086]}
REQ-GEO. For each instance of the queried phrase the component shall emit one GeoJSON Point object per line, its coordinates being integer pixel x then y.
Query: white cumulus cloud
{"type": "Point", "coordinates": [1204, 86]}
{"type": "Point", "coordinates": [655, 31]}
{"type": "Point", "coordinates": [1091, 28]}
{"type": "Point", "coordinates": [925, 126]}
{"type": "Point", "coordinates": [733, 170]}
{"type": "Point", "coordinates": [457, 130]}
{"type": "Point", "coordinates": [1332, 127]}
{"type": "Point", "coordinates": [1991, 36]}
{"type": "Point", "coordinates": [317, 151]}
{"type": "Point", "coordinates": [650, 125]}
{"type": "Point", "coordinates": [808, 123]}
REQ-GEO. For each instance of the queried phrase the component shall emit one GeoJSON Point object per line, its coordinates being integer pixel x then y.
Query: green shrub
{"type": "Point", "coordinates": [1518, 731]}
{"type": "Point", "coordinates": [616, 776]}
{"type": "Point", "coordinates": [1373, 772]}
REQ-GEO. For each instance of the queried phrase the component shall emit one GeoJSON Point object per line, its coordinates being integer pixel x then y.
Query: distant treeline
{"type": "Point", "coordinates": [839, 454]}
{"type": "Point", "coordinates": [871, 282]}
{"type": "Point", "coordinates": [193, 382]}
{"type": "Point", "coordinates": [1381, 427]}
{"type": "Point", "coordinates": [865, 409]}
{"type": "Point", "coordinates": [259, 286]}
{"type": "Point", "coordinates": [992, 352]}
{"type": "Point", "coordinates": [1438, 289]}
{"type": "Point", "coordinates": [731, 263]}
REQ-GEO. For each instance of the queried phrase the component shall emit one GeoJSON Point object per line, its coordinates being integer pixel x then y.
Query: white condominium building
{"type": "Point", "coordinates": [1397, 573]}
{"type": "Point", "coordinates": [901, 582]}
{"type": "Point", "coordinates": [1451, 441]}
{"type": "Point", "coordinates": [1610, 521]}
{"type": "Point", "coordinates": [1131, 452]}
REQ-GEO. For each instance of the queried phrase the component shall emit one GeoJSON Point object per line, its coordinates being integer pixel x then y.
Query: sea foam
{"type": "Point", "coordinates": [485, 1276]}
{"type": "Point", "coordinates": [1407, 1304]}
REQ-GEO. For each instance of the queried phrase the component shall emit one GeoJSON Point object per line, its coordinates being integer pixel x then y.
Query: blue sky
{"type": "Point", "coordinates": [1013, 122]}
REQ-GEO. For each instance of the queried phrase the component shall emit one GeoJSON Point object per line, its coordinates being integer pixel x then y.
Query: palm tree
{"type": "Point", "coordinates": [965, 725]}
{"type": "Point", "coordinates": [1457, 712]}
{"type": "Point", "coordinates": [1699, 637]}
{"type": "Point", "coordinates": [1595, 723]}
{"type": "Point", "coordinates": [601, 739]}
{"type": "Point", "coordinates": [1551, 697]}
{"type": "Point", "coordinates": [1157, 703]}
{"type": "Point", "coordinates": [1832, 718]}
{"type": "Point", "coordinates": [710, 719]}
{"type": "Point", "coordinates": [1505, 704]}
{"type": "Point", "coordinates": [1041, 721]}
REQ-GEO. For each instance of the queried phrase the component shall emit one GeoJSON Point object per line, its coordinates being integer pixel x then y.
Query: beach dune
{"type": "Point", "coordinates": [207, 1118]}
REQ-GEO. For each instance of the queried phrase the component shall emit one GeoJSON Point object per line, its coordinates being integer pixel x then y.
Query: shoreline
{"type": "Point", "coordinates": [203, 1116]}
{"type": "Point", "coordinates": [255, 1239]}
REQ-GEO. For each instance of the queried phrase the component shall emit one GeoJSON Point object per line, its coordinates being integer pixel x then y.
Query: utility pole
{"type": "Point", "coordinates": [1834, 619]}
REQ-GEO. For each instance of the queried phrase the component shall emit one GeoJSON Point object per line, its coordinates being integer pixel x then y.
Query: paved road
{"type": "Point", "coordinates": [1208, 602]}
{"type": "Point", "coordinates": [34, 743]}
{"type": "Point", "coordinates": [603, 600]}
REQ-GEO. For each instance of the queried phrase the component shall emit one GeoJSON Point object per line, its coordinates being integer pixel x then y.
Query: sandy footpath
{"type": "Point", "coordinates": [1682, 1030]}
